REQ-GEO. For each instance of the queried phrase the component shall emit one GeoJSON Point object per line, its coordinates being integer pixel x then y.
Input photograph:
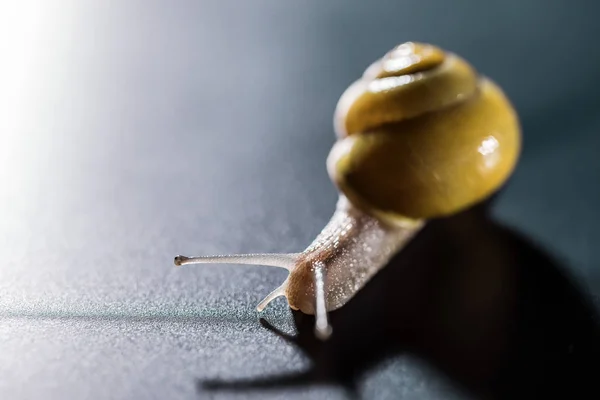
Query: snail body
{"type": "Point", "coordinates": [420, 135]}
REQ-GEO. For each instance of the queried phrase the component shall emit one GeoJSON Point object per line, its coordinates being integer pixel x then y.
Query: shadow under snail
{"type": "Point", "coordinates": [421, 135]}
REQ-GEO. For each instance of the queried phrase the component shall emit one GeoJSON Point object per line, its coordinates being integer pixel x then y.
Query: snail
{"type": "Point", "coordinates": [421, 135]}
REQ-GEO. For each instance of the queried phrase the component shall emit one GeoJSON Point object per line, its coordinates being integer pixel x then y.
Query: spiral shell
{"type": "Point", "coordinates": [422, 135]}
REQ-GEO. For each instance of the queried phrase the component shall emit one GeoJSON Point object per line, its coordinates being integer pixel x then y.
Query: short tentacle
{"type": "Point", "coordinates": [280, 291]}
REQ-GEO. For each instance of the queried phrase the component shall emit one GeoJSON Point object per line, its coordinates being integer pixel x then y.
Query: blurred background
{"type": "Point", "coordinates": [133, 131]}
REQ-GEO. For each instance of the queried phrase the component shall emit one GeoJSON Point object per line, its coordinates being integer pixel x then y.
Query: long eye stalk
{"type": "Point", "coordinates": [322, 327]}
{"type": "Point", "coordinates": [285, 261]}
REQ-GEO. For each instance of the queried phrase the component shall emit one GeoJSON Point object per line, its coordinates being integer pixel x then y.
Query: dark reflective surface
{"type": "Point", "coordinates": [482, 304]}
{"type": "Point", "coordinates": [134, 131]}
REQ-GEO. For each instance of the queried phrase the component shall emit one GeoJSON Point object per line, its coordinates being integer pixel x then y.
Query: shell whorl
{"type": "Point", "coordinates": [421, 134]}
{"type": "Point", "coordinates": [410, 80]}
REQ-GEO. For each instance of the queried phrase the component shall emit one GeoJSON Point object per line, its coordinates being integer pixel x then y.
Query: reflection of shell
{"type": "Point", "coordinates": [421, 135]}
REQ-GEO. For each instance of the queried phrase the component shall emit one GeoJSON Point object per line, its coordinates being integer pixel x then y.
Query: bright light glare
{"type": "Point", "coordinates": [488, 149]}
{"type": "Point", "coordinates": [23, 26]}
